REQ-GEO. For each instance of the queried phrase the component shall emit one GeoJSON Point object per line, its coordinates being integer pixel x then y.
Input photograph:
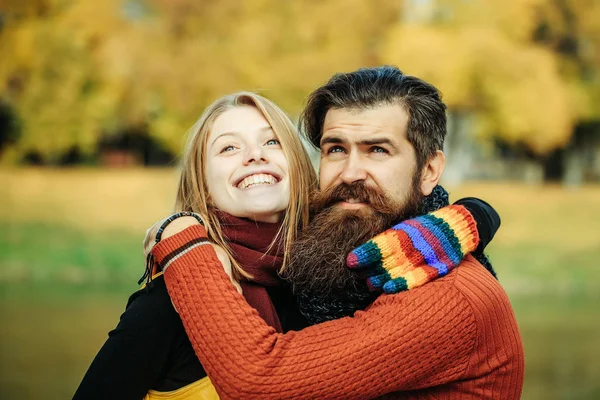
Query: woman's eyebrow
{"type": "Point", "coordinates": [266, 128]}
{"type": "Point", "coordinates": [220, 135]}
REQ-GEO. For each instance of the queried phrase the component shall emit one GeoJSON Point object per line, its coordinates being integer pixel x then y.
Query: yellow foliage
{"type": "Point", "coordinates": [522, 94]}
{"type": "Point", "coordinates": [481, 58]}
{"type": "Point", "coordinates": [82, 69]}
{"type": "Point", "coordinates": [514, 18]}
{"type": "Point", "coordinates": [437, 55]}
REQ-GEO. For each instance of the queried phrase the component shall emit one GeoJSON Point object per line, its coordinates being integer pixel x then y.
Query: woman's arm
{"type": "Point", "coordinates": [178, 225]}
{"type": "Point", "coordinates": [399, 343]}
{"type": "Point", "coordinates": [133, 357]}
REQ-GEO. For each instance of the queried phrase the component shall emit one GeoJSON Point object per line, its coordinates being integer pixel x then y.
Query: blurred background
{"type": "Point", "coordinates": [95, 98]}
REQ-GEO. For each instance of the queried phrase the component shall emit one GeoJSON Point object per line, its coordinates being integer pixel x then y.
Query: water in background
{"type": "Point", "coordinates": [55, 331]}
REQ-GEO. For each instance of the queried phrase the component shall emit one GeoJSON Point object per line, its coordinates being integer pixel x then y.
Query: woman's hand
{"type": "Point", "coordinates": [173, 228]}
{"type": "Point", "coordinates": [179, 225]}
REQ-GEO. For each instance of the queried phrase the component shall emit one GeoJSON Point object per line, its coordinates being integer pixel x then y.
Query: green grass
{"type": "Point", "coordinates": [562, 345]}
{"type": "Point", "coordinates": [530, 268]}
{"type": "Point", "coordinates": [51, 333]}
{"type": "Point", "coordinates": [52, 253]}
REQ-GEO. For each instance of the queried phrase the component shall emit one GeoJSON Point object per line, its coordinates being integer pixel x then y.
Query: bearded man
{"type": "Point", "coordinates": [447, 332]}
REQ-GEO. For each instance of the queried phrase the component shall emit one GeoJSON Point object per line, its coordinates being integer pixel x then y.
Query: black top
{"type": "Point", "coordinates": [149, 348]}
{"type": "Point", "coordinates": [488, 220]}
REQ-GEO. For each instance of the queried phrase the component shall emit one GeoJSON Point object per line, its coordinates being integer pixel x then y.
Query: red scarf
{"type": "Point", "coordinates": [249, 242]}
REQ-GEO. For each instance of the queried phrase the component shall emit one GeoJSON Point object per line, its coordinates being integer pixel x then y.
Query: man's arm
{"type": "Point", "coordinates": [417, 339]}
{"type": "Point", "coordinates": [487, 219]}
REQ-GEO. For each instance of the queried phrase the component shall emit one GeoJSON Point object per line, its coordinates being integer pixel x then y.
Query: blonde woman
{"type": "Point", "coordinates": [246, 172]}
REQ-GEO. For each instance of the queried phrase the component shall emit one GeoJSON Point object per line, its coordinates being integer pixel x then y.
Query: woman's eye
{"type": "Point", "coordinates": [227, 148]}
{"type": "Point", "coordinates": [273, 142]}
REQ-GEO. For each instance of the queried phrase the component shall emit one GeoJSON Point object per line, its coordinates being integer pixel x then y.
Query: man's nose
{"type": "Point", "coordinates": [353, 170]}
{"type": "Point", "coordinates": [254, 154]}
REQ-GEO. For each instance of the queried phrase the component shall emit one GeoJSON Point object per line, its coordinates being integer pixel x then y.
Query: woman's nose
{"type": "Point", "coordinates": [254, 154]}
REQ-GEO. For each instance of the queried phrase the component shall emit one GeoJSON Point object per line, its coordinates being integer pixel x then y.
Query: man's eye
{"type": "Point", "coordinates": [273, 142]}
{"type": "Point", "coordinates": [377, 149]}
{"type": "Point", "coordinates": [335, 149]}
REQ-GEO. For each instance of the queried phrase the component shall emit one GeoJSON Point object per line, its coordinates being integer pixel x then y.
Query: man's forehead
{"type": "Point", "coordinates": [386, 120]}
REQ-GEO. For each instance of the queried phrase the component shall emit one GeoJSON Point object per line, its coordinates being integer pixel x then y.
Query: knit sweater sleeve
{"type": "Point", "coordinates": [406, 341]}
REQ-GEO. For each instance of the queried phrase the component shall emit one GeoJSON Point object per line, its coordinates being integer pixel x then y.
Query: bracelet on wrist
{"type": "Point", "coordinates": [173, 218]}
{"type": "Point", "coordinates": [150, 258]}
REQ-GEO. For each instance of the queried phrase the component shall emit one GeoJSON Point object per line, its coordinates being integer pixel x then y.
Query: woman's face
{"type": "Point", "coordinates": [246, 170]}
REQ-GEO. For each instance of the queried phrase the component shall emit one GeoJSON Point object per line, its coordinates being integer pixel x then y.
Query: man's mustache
{"type": "Point", "coordinates": [358, 190]}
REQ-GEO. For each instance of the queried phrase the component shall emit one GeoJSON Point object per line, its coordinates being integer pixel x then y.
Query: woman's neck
{"type": "Point", "coordinates": [270, 218]}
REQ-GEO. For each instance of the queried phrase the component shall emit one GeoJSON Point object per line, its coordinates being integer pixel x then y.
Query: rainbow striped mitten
{"type": "Point", "coordinates": [417, 250]}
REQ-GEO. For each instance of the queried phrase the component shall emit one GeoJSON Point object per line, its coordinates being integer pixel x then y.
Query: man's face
{"type": "Point", "coordinates": [368, 182]}
{"type": "Point", "coordinates": [368, 146]}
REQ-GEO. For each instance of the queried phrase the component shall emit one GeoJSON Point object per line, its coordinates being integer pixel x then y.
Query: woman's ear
{"type": "Point", "coordinates": [432, 171]}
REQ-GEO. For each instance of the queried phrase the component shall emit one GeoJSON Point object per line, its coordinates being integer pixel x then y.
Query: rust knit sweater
{"type": "Point", "coordinates": [452, 338]}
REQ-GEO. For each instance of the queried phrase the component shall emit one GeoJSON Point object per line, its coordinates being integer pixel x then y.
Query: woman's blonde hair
{"type": "Point", "coordinates": [193, 195]}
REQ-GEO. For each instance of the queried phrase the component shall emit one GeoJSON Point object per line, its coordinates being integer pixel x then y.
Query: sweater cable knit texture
{"type": "Point", "coordinates": [455, 337]}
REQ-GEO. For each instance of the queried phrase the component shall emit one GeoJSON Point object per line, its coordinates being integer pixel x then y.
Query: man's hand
{"type": "Point", "coordinates": [417, 250]}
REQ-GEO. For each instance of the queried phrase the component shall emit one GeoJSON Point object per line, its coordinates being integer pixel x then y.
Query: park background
{"type": "Point", "coordinates": [96, 96]}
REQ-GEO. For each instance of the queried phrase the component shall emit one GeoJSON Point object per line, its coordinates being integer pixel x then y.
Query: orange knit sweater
{"type": "Point", "coordinates": [455, 337]}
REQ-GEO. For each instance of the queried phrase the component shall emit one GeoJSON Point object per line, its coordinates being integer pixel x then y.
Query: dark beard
{"type": "Point", "coordinates": [324, 287]}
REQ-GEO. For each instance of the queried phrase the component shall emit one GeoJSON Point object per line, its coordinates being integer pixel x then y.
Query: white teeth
{"type": "Point", "coordinates": [258, 179]}
{"type": "Point", "coordinates": [352, 201]}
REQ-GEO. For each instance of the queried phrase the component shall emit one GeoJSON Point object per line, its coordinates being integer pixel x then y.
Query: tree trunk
{"type": "Point", "coordinates": [458, 148]}
{"type": "Point", "coordinates": [573, 165]}
{"type": "Point", "coordinates": [578, 160]}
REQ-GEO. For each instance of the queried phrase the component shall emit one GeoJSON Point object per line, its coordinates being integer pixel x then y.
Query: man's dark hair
{"type": "Point", "coordinates": [384, 85]}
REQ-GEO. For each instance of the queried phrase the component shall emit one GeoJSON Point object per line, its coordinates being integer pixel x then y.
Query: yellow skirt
{"type": "Point", "coordinates": [199, 390]}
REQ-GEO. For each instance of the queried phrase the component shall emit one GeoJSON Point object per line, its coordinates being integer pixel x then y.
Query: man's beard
{"type": "Point", "coordinates": [324, 287]}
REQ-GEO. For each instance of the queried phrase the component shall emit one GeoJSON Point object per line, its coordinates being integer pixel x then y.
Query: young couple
{"type": "Point", "coordinates": [356, 285]}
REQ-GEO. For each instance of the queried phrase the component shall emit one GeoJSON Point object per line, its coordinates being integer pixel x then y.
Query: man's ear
{"type": "Point", "coordinates": [432, 171]}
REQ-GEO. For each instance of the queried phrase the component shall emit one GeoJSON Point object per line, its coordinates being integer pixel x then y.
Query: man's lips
{"type": "Point", "coordinates": [351, 204]}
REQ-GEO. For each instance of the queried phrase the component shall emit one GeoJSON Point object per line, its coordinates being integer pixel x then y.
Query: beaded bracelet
{"type": "Point", "coordinates": [150, 258]}
{"type": "Point", "coordinates": [174, 217]}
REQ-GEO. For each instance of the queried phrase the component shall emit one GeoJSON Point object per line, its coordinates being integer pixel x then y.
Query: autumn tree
{"type": "Point", "coordinates": [85, 70]}
{"type": "Point", "coordinates": [80, 72]}
{"type": "Point", "coordinates": [571, 30]}
{"type": "Point", "coordinates": [496, 82]}
{"type": "Point", "coordinates": [10, 128]}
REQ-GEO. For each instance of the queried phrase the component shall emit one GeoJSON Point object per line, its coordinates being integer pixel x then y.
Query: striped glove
{"type": "Point", "coordinates": [417, 250]}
